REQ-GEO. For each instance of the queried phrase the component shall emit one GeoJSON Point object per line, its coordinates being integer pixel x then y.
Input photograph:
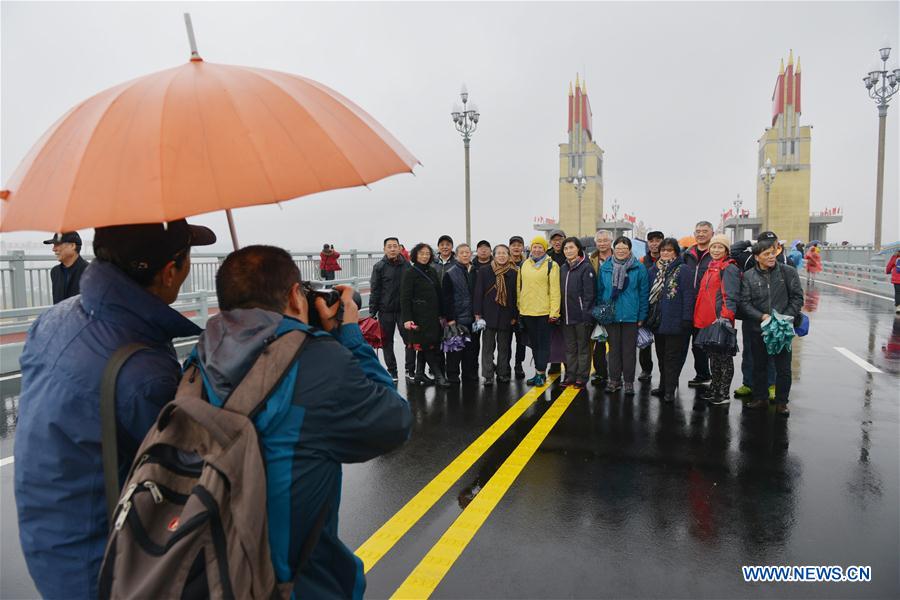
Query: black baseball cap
{"type": "Point", "coordinates": [445, 238]}
{"type": "Point", "coordinates": [482, 243]}
{"type": "Point", "coordinates": [766, 236]}
{"type": "Point", "coordinates": [517, 238]}
{"type": "Point", "coordinates": [656, 234]}
{"type": "Point", "coordinates": [149, 246]}
{"type": "Point", "coordinates": [69, 237]}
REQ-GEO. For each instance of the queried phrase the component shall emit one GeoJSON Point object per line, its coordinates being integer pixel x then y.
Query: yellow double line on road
{"type": "Point", "coordinates": [374, 548]}
{"type": "Point", "coordinates": [429, 573]}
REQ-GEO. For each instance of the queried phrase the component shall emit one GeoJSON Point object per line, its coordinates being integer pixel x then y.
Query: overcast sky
{"type": "Point", "coordinates": [680, 94]}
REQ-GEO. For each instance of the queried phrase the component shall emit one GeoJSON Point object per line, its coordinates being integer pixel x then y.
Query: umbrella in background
{"type": "Point", "coordinates": [687, 241]}
{"type": "Point", "coordinates": [195, 139]}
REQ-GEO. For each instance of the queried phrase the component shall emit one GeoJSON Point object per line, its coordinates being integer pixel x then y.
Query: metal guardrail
{"type": "Point", "coordinates": [871, 277]}
{"type": "Point", "coordinates": [25, 278]}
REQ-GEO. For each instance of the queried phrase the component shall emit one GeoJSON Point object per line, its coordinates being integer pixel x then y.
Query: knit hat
{"type": "Point", "coordinates": [538, 240]}
{"type": "Point", "coordinates": [721, 239]}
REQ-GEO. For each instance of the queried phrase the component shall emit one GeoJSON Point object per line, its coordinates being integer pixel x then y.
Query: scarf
{"type": "Point", "coordinates": [539, 262]}
{"type": "Point", "coordinates": [659, 282]}
{"type": "Point", "coordinates": [499, 272]}
{"type": "Point", "coordinates": [620, 274]}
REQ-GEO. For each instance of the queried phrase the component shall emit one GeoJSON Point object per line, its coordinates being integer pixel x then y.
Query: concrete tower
{"type": "Point", "coordinates": [787, 144]}
{"type": "Point", "coordinates": [580, 153]}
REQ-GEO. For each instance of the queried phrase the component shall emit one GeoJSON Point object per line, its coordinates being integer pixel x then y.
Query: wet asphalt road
{"type": "Point", "coordinates": [628, 498]}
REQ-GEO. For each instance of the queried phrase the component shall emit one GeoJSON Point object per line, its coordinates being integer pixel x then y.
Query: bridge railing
{"type": "Point", "coordinates": [25, 279]}
{"type": "Point", "coordinates": [870, 277]}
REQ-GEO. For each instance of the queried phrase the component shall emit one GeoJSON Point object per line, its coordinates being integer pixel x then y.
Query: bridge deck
{"type": "Point", "coordinates": [625, 497]}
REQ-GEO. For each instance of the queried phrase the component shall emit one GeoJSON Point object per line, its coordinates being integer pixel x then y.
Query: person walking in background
{"type": "Point", "coordinates": [768, 287]}
{"type": "Point", "coordinates": [65, 278]}
{"type": "Point", "coordinates": [623, 284]}
{"type": "Point", "coordinates": [384, 305]}
{"type": "Point", "coordinates": [404, 252]}
{"type": "Point", "coordinates": [517, 257]}
{"type": "Point", "coordinates": [698, 257]}
{"type": "Point", "coordinates": [717, 298]}
{"type": "Point", "coordinates": [671, 299]}
{"type": "Point", "coordinates": [445, 258]}
{"type": "Point", "coordinates": [578, 288]}
{"type": "Point", "coordinates": [495, 302]}
{"type": "Point", "coordinates": [893, 269]}
{"type": "Point", "coordinates": [538, 304]}
{"type": "Point", "coordinates": [795, 256]}
{"type": "Point", "coordinates": [328, 262]}
{"type": "Point", "coordinates": [645, 355]}
{"type": "Point", "coordinates": [421, 310]}
{"type": "Point", "coordinates": [603, 241]}
{"type": "Point", "coordinates": [457, 288]}
{"type": "Point", "coordinates": [813, 262]}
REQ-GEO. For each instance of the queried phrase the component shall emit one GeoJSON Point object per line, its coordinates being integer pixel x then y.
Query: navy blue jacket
{"type": "Point", "coordinates": [676, 301]}
{"type": "Point", "coordinates": [457, 288]}
{"type": "Point", "coordinates": [485, 302]}
{"type": "Point", "coordinates": [336, 405]}
{"type": "Point", "coordinates": [59, 470]}
{"type": "Point", "coordinates": [577, 289]}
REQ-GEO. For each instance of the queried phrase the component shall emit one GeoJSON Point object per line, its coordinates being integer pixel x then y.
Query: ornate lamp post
{"type": "Point", "coordinates": [882, 86]}
{"type": "Point", "coordinates": [767, 176]}
{"type": "Point", "coordinates": [738, 234]}
{"type": "Point", "coordinates": [580, 183]}
{"type": "Point", "coordinates": [465, 119]}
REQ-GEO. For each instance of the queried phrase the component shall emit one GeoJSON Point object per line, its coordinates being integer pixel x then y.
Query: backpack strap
{"type": "Point", "coordinates": [109, 444]}
{"type": "Point", "coordinates": [266, 374]}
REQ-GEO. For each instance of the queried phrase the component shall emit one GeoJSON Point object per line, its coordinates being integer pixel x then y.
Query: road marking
{"type": "Point", "coordinates": [422, 582]}
{"type": "Point", "coordinates": [380, 542]}
{"type": "Point", "coordinates": [850, 289]}
{"type": "Point", "coordinates": [7, 461]}
{"type": "Point", "coordinates": [868, 367]}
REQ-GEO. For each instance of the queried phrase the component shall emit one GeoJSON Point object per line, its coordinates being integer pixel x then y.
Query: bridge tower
{"type": "Point", "coordinates": [580, 152]}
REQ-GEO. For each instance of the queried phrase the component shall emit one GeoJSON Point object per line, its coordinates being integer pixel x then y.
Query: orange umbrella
{"type": "Point", "coordinates": [687, 241]}
{"type": "Point", "coordinates": [194, 139]}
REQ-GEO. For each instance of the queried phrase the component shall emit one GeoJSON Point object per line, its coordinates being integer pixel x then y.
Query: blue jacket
{"type": "Point", "coordinates": [631, 303]}
{"type": "Point", "coordinates": [59, 471]}
{"type": "Point", "coordinates": [336, 405]}
{"type": "Point", "coordinates": [677, 298]}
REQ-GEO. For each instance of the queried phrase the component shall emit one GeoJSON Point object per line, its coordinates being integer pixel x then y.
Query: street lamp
{"type": "Point", "coordinates": [767, 176]}
{"type": "Point", "coordinates": [737, 218]}
{"type": "Point", "coordinates": [580, 182]}
{"type": "Point", "coordinates": [465, 119]}
{"type": "Point", "coordinates": [882, 86]}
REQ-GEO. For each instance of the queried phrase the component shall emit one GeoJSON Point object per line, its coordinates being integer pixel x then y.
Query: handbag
{"type": "Point", "coordinates": [720, 338]}
{"type": "Point", "coordinates": [803, 328]}
{"type": "Point", "coordinates": [599, 334]}
{"type": "Point", "coordinates": [604, 313]}
{"type": "Point", "coordinates": [654, 317]}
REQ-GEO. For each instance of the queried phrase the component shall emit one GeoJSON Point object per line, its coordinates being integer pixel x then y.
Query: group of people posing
{"type": "Point", "coordinates": [550, 295]}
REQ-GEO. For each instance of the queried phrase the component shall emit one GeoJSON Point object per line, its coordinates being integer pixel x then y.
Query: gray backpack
{"type": "Point", "coordinates": [190, 521]}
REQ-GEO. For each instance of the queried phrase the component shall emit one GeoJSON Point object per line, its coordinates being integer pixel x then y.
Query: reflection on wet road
{"type": "Point", "coordinates": [628, 497]}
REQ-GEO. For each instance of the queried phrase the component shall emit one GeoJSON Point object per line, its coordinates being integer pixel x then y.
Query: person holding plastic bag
{"type": "Point", "coordinates": [671, 314]}
{"type": "Point", "coordinates": [622, 290]}
{"type": "Point", "coordinates": [766, 288]}
{"type": "Point", "coordinates": [717, 301]}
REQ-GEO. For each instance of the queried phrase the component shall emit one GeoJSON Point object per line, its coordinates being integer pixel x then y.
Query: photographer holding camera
{"type": "Point", "coordinates": [343, 408]}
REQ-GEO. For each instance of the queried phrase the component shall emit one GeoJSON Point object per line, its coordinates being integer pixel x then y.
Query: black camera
{"type": "Point", "coordinates": [331, 297]}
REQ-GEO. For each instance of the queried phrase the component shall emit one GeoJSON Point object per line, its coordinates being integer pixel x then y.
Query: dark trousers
{"type": "Point", "coordinates": [622, 351]}
{"type": "Point", "coordinates": [782, 362]}
{"type": "Point", "coordinates": [578, 350]}
{"type": "Point", "coordinates": [670, 354]}
{"type": "Point", "coordinates": [747, 358]}
{"type": "Point", "coordinates": [645, 357]}
{"type": "Point", "coordinates": [499, 340]}
{"type": "Point", "coordinates": [465, 359]}
{"type": "Point", "coordinates": [701, 360]}
{"type": "Point", "coordinates": [389, 322]}
{"type": "Point", "coordinates": [599, 359]}
{"type": "Point", "coordinates": [520, 347]}
{"type": "Point", "coordinates": [538, 329]}
{"type": "Point", "coordinates": [327, 275]}
{"type": "Point", "coordinates": [721, 368]}
{"type": "Point", "coordinates": [897, 294]}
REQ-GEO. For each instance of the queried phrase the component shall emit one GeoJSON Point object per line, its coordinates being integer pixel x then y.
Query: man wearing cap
{"type": "Point", "coordinates": [125, 298]}
{"type": "Point", "coordinates": [483, 254]}
{"type": "Point", "coordinates": [517, 257]}
{"type": "Point", "coordinates": [645, 356]}
{"type": "Point", "coordinates": [557, 236]}
{"type": "Point", "coordinates": [446, 258]}
{"type": "Point", "coordinates": [66, 276]}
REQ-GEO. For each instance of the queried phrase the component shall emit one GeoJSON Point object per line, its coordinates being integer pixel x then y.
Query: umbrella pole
{"type": "Point", "coordinates": [231, 228]}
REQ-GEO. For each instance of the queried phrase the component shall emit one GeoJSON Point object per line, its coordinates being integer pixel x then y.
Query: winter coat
{"type": "Point", "coordinates": [384, 284]}
{"type": "Point", "coordinates": [494, 315]}
{"type": "Point", "coordinates": [457, 288]}
{"type": "Point", "coordinates": [558, 257]}
{"type": "Point", "coordinates": [813, 260]}
{"type": "Point", "coordinates": [538, 289]}
{"type": "Point", "coordinates": [795, 258]}
{"type": "Point", "coordinates": [59, 490]}
{"type": "Point", "coordinates": [632, 301]}
{"type": "Point", "coordinates": [596, 262]}
{"type": "Point", "coordinates": [65, 283]}
{"type": "Point", "coordinates": [420, 302]}
{"type": "Point", "coordinates": [578, 287]}
{"type": "Point", "coordinates": [699, 259]}
{"type": "Point", "coordinates": [893, 268]}
{"type": "Point", "coordinates": [677, 298]}
{"type": "Point", "coordinates": [338, 406]}
{"type": "Point", "coordinates": [719, 293]}
{"type": "Point", "coordinates": [648, 261]}
{"type": "Point", "coordinates": [777, 289]}
{"type": "Point", "coordinates": [742, 254]}
{"type": "Point", "coordinates": [441, 267]}
{"type": "Point", "coordinates": [328, 261]}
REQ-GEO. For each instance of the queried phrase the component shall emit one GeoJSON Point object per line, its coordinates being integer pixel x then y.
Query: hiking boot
{"type": "Point", "coordinates": [707, 394]}
{"type": "Point", "coordinates": [699, 382]}
{"type": "Point", "coordinates": [782, 410]}
{"type": "Point", "coordinates": [598, 380]}
{"type": "Point", "coordinates": [502, 379]}
{"type": "Point", "coordinates": [520, 372]}
{"type": "Point", "coordinates": [538, 380]}
{"type": "Point", "coordinates": [629, 389]}
{"type": "Point", "coordinates": [612, 388]}
{"type": "Point", "coordinates": [668, 398]}
{"type": "Point", "coordinates": [771, 393]}
{"type": "Point", "coordinates": [410, 379]}
{"type": "Point", "coordinates": [719, 400]}
{"type": "Point", "coordinates": [757, 405]}
{"type": "Point", "coordinates": [657, 392]}
{"type": "Point", "coordinates": [743, 392]}
{"type": "Point", "coordinates": [645, 376]}
{"type": "Point", "coordinates": [488, 381]}
{"type": "Point", "coordinates": [441, 381]}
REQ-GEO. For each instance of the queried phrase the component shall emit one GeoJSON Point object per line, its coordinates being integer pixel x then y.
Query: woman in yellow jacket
{"type": "Point", "coordinates": [538, 302]}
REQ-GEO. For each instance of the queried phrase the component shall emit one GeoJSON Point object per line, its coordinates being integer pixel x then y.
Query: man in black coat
{"type": "Point", "coordinates": [66, 276]}
{"type": "Point", "coordinates": [384, 304]}
{"type": "Point", "coordinates": [698, 257]}
{"type": "Point", "coordinates": [457, 288]}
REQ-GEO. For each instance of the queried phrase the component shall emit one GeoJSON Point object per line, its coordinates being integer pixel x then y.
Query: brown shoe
{"type": "Point", "coordinates": [782, 410]}
{"type": "Point", "coordinates": [757, 405]}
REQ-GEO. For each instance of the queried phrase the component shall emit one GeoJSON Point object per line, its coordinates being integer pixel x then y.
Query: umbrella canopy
{"type": "Point", "coordinates": [687, 241]}
{"type": "Point", "coordinates": [194, 139]}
